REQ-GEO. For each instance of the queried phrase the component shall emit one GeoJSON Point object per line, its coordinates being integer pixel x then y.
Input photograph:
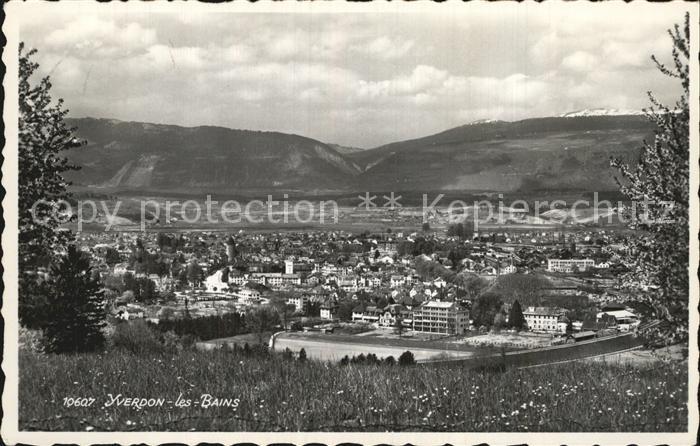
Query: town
{"type": "Point", "coordinates": [540, 288]}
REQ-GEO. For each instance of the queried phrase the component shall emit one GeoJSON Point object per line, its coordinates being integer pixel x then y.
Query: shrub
{"type": "Point", "coordinates": [407, 359]}
{"type": "Point", "coordinates": [389, 360]}
{"type": "Point", "coordinates": [29, 340]}
{"type": "Point", "coordinates": [136, 337]}
{"type": "Point", "coordinates": [302, 355]}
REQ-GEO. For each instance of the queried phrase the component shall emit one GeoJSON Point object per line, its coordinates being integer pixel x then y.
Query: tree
{"type": "Point", "coordinates": [407, 358]}
{"type": "Point", "coordinates": [302, 355]}
{"type": "Point", "coordinates": [260, 320]}
{"type": "Point", "coordinates": [499, 321]}
{"type": "Point", "coordinates": [112, 256]}
{"type": "Point", "coordinates": [283, 309]}
{"type": "Point", "coordinates": [660, 180]}
{"type": "Point", "coordinates": [472, 284]}
{"type": "Point", "coordinates": [526, 288]}
{"type": "Point", "coordinates": [485, 308]}
{"type": "Point", "coordinates": [194, 273]}
{"type": "Point", "coordinates": [43, 138]}
{"type": "Point", "coordinates": [516, 319]}
{"type": "Point", "coordinates": [76, 305]}
{"type": "Point", "coordinates": [398, 325]}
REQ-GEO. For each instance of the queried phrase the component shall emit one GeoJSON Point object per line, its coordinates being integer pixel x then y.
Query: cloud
{"type": "Point", "coordinates": [580, 61]}
{"type": "Point", "coordinates": [385, 48]}
{"type": "Point", "coordinates": [94, 37]}
{"type": "Point", "coordinates": [355, 79]}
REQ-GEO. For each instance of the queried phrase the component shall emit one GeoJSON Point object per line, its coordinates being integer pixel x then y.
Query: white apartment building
{"type": "Point", "coordinates": [544, 319]}
{"type": "Point", "coordinates": [568, 265]}
{"type": "Point", "coordinates": [441, 317]}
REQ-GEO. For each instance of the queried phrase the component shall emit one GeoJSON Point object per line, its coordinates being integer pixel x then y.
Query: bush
{"type": "Point", "coordinates": [302, 355]}
{"type": "Point", "coordinates": [407, 358]}
{"type": "Point", "coordinates": [29, 340]}
{"type": "Point", "coordinates": [136, 337]}
{"type": "Point", "coordinates": [389, 360]}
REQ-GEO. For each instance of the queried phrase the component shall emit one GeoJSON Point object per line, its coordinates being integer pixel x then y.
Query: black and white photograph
{"type": "Point", "coordinates": [308, 222]}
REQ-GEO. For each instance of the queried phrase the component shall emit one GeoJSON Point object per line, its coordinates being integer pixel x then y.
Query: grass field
{"type": "Point", "coordinates": [276, 393]}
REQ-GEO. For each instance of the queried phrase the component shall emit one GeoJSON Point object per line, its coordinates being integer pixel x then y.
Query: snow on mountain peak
{"type": "Point", "coordinates": [601, 112]}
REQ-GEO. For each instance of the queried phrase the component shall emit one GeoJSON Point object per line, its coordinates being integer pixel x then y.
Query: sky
{"type": "Point", "coordinates": [354, 79]}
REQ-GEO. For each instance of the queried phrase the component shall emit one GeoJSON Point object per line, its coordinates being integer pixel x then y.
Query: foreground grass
{"type": "Point", "coordinates": [283, 394]}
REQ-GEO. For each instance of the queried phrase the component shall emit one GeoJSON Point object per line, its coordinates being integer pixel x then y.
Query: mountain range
{"type": "Point", "coordinates": [569, 152]}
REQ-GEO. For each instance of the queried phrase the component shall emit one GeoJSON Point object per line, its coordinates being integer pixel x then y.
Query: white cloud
{"type": "Point", "coordinates": [385, 48]}
{"type": "Point", "coordinates": [93, 37]}
{"type": "Point", "coordinates": [580, 61]}
{"type": "Point", "coordinates": [328, 75]}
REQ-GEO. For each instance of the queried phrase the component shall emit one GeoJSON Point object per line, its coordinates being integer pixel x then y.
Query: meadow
{"type": "Point", "coordinates": [276, 392]}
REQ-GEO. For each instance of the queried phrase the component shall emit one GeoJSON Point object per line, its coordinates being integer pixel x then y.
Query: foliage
{"type": "Point", "coordinates": [42, 139]}
{"type": "Point", "coordinates": [398, 325]}
{"type": "Point", "coordinates": [112, 256]}
{"type": "Point", "coordinates": [516, 319]}
{"type": "Point", "coordinates": [143, 288]}
{"type": "Point", "coordinates": [407, 358]}
{"type": "Point", "coordinates": [485, 308]}
{"type": "Point", "coordinates": [499, 321]}
{"type": "Point", "coordinates": [76, 306]}
{"type": "Point", "coordinates": [302, 355]}
{"type": "Point", "coordinates": [463, 230]}
{"type": "Point", "coordinates": [525, 288]}
{"type": "Point", "coordinates": [472, 284]}
{"type": "Point", "coordinates": [260, 320]}
{"type": "Point", "coordinates": [660, 182]}
{"type": "Point", "coordinates": [136, 337]}
{"type": "Point", "coordinates": [606, 397]}
{"type": "Point", "coordinates": [204, 328]}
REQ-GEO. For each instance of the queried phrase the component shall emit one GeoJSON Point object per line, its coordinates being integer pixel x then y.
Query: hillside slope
{"type": "Point", "coordinates": [140, 156]}
{"type": "Point", "coordinates": [558, 153]}
{"type": "Point", "coordinates": [562, 153]}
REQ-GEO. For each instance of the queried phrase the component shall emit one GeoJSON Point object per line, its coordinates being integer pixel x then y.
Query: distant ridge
{"type": "Point", "coordinates": [567, 153]}
{"type": "Point", "coordinates": [602, 112]}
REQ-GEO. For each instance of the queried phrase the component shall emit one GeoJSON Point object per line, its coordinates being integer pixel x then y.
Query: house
{"type": "Point", "coordinates": [370, 314]}
{"type": "Point", "coordinates": [508, 269]}
{"type": "Point", "coordinates": [391, 313]}
{"type": "Point", "coordinates": [329, 310]}
{"type": "Point", "coordinates": [544, 319]}
{"type": "Point", "coordinates": [440, 317]}
{"type": "Point", "coordinates": [249, 295]}
{"type": "Point", "coordinates": [396, 281]}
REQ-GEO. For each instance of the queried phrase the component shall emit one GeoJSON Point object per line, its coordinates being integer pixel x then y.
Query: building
{"type": "Point", "coordinates": [568, 265]}
{"type": "Point", "coordinates": [391, 313]}
{"type": "Point", "coordinates": [369, 314]}
{"type": "Point", "coordinates": [544, 319]}
{"type": "Point", "coordinates": [249, 296]}
{"type": "Point", "coordinates": [625, 318]}
{"type": "Point", "coordinates": [299, 301]}
{"type": "Point", "coordinates": [441, 317]}
{"type": "Point", "coordinates": [329, 310]}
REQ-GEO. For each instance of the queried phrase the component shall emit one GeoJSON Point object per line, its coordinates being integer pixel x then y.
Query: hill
{"type": "Point", "coordinates": [141, 156]}
{"type": "Point", "coordinates": [558, 153]}
{"type": "Point", "coordinates": [569, 153]}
